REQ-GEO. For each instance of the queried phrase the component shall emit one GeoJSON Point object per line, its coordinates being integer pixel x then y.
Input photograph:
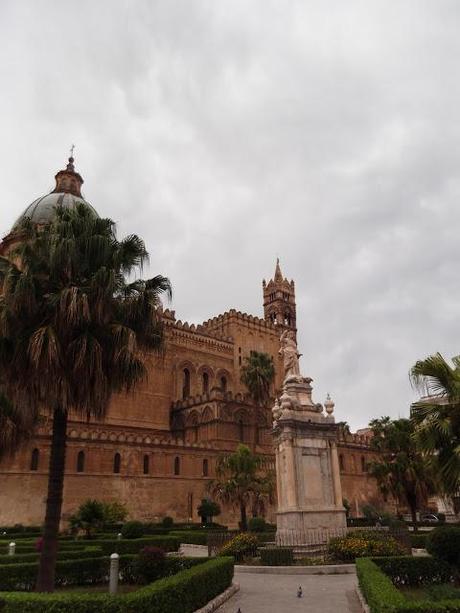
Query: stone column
{"type": "Point", "coordinates": [336, 475]}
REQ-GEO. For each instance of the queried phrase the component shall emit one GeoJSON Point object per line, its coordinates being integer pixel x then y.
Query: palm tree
{"type": "Point", "coordinates": [437, 417]}
{"type": "Point", "coordinates": [72, 332]}
{"type": "Point", "coordinates": [402, 469]}
{"type": "Point", "coordinates": [257, 375]}
{"type": "Point", "coordinates": [240, 481]}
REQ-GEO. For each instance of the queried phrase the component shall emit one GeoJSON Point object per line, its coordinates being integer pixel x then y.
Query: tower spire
{"type": "Point", "coordinates": [279, 300]}
{"type": "Point", "coordinates": [278, 273]}
{"type": "Point", "coordinates": [69, 181]}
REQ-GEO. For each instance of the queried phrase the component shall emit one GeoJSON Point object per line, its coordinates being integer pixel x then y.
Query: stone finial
{"type": "Point", "coordinates": [329, 405]}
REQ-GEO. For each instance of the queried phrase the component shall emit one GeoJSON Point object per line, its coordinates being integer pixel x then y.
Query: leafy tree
{"type": "Point", "coordinates": [347, 507]}
{"type": "Point", "coordinates": [257, 375]}
{"type": "Point", "coordinates": [207, 510]}
{"type": "Point", "coordinates": [90, 517]}
{"type": "Point", "coordinates": [114, 512]}
{"type": "Point", "coordinates": [402, 470]}
{"type": "Point", "coordinates": [71, 332]}
{"type": "Point", "coordinates": [343, 428]}
{"type": "Point", "coordinates": [437, 417]}
{"type": "Point", "coordinates": [240, 480]}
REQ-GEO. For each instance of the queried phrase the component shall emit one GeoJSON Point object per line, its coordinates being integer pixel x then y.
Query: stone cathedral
{"type": "Point", "coordinates": [157, 448]}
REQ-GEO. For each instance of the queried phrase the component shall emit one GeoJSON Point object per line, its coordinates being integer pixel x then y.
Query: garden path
{"type": "Point", "coordinates": [272, 593]}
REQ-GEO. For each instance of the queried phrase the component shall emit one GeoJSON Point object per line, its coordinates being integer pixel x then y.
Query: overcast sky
{"type": "Point", "coordinates": [226, 133]}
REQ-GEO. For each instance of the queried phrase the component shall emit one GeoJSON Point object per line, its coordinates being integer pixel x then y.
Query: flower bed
{"type": "Point", "coordinates": [379, 578]}
{"type": "Point", "coordinates": [186, 591]}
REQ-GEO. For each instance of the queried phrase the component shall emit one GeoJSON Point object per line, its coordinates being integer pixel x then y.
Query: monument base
{"type": "Point", "coordinates": [300, 526]}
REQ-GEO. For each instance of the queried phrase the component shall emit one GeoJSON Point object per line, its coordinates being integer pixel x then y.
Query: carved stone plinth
{"type": "Point", "coordinates": [307, 467]}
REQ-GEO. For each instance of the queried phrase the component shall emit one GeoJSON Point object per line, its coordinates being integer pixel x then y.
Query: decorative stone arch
{"type": "Point", "coordinates": [192, 426]}
{"type": "Point", "coordinates": [207, 417]}
{"type": "Point", "coordinates": [223, 380]}
{"type": "Point", "coordinates": [185, 387]}
{"type": "Point", "coordinates": [205, 378]}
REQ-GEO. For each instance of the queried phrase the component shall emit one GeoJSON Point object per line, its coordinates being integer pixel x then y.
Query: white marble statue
{"type": "Point", "coordinates": [290, 354]}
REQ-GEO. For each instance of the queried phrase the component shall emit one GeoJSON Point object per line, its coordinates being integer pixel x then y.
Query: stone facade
{"type": "Point", "coordinates": [157, 447]}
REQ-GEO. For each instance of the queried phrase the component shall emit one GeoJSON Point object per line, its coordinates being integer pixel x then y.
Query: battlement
{"type": "Point", "coordinates": [354, 439]}
{"type": "Point", "coordinates": [234, 316]}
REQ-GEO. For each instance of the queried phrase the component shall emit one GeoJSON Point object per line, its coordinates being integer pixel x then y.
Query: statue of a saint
{"type": "Point", "coordinates": [290, 354]}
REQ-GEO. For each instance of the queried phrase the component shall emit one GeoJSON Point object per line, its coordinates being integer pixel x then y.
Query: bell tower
{"type": "Point", "coordinates": [279, 300]}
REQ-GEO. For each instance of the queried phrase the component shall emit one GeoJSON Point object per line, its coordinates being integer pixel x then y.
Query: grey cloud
{"type": "Point", "coordinates": [227, 133]}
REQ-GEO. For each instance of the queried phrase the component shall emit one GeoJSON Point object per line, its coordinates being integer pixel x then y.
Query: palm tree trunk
{"type": "Point", "coordinates": [47, 567]}
{"type": "Point", "coordinates": [244, 520]}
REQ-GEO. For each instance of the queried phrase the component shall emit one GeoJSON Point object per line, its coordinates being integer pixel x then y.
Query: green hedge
{"type": "Point", "coordinates": [418, 541]}
{"type": "Point", "coordinates": [95, 552]}
{"type": "Point", "coordinates": [383, 597]}
{"type": "Point", "coordinates": [187, 591]}
{"type": "Point", "coordinates": [444, 543]}
{"type": "Point", "coordinates": [406, 570]}
{"type": "Point", "coordinates": [191, 537]}
{"type": "Point", "coordinates": [168, 543]}
{"type": "Point", "coordinates": [276, 556]}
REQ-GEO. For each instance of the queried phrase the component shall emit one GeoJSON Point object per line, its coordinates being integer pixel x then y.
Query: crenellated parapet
{"type": "Point", "coordinates": [233, 316]}
{"type": "Point", "coordinates": [354, 440]}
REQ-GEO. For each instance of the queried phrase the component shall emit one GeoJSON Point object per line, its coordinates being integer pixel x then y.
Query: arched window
{"type": "Point", "coordinates": [146, 464]}
{"type": "Point", "coordinates": [341, 462]}
{"type": "Point", "coordinates": [186, 384]}
{"type": "Point", "coordinates": [205, 468]}
{"type": "Point", "coordinates": [177, 465]}
{"type": "Point", "coordinates": [116, 463]}
{"type": "Point", "coordinates": [205, 383]}
{"type": "Point", "coordinates": [223, 384]}
{"type": "Point", "coordinates": [34, 459]}
{"type": "Point", "coordinates": [363, 464]}
{"type": "Point", "coordinates": [81, 462]}
{"type": "Point", "coordinates": [287, 318]}
{"type": "Point", "coordinates": [241, 430]}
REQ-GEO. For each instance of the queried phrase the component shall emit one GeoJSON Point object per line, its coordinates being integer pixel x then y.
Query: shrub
{"type": "Point", "coordinates": [418, 541]}
{"type": "Point", "coordinates": [150, 564]}
{"type": "Point", "coordinates": [207, 510]}
{"type": "Point", "coordinates": [444, 543]}
{"type": "Point", "coordinates": [187, 591]}
{"type": "Point", "coordinates": [276, 556]}
{"type": "Point", "coordinates": [89, 517]}
{"type": "Point", "coordinates": [350, 547]}
{"type": "Point", "coordinates": [378, 590]}
{"type": "Point", "coordinates": [191, 537]}
{"type": "Point", "coordinates": [257, 524]}
{"type": "Point", "coordinates": [406, 570]}
{"type": "Point", "coordinates": [90, 552]}
{"type": "Point", "coordinates": [133, 530]}
{"type": "Point", "coordinates": [241, 546]}
{"type": "Point", "coordinates": [168, 543]}
{"type": "Point", "coordinates": [167, 522]}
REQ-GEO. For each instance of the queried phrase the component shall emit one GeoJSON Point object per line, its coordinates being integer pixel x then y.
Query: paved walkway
{"type": "Point", "coordinates": [278, 594]}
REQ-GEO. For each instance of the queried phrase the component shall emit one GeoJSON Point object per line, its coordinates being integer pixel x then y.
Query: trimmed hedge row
{"type": "Point", "coordinates": [383, 597]}
{"type": "Point", "coordinates": [276, 556]}
{"type": "Point", "coordinates": [187, 591]}
{"type": "Point", "coordinates": [406, 570]}
{"type": "Point", "coordinates": [24, 558]}
{"type": "Point", "coordinates": [168, 543]}
{"type": "Point", "coordinates": [191, 537]}
{"type": "Point", "coordinates": [418, 541]}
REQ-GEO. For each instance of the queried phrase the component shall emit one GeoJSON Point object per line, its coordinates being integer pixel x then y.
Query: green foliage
{"type": "Point", "coordinates": [240, 547]}
{"type": "Point", "coordinates": [150, 564]}
{"type": "Point", "coordinates": [94, 552]}
{"type": "Point", "coordinates": [356, 545]}
{"type": "Point", "coordinates": [167, 522]}
{"type": "Point", "coordinates": [347, 507]}
{"type": "Point", "coordinates": [257, 524]}
{"type": "Point", "coordinates": [402, 469]}
{"type": "Point", "coordinates": [410, 571]}
{"type": "Point", "coordinates": [191, 537]}
{"type": "Point", "coordinates": [127, 546]}
{"type": "Point", "coordinates": [437, 418]}
{"type": "Point", "coordinates": [186, 591]}
{"type": "Point", "coordinates": [208, 509]}
{"type": "Point", "coordinates": [418, 541]}
{"type": "Point", "coordinates": [89, 517]}
{"type": "Point", "coordinates": [378, 589]}
{"type": "Point", "coordinates": [133, 530]}
{"type": "Point", "coordinates": [276, 556]}
{"type": "Point", "coordinates": [241, 480]}
{"type": "Point", "coordinates": [114, 512]}
{"type": "Point", "coordinates": [257, 374]}
{"type": "Point", "coordinates": [444, 543]}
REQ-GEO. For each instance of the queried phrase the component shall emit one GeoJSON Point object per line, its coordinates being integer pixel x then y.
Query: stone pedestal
{"type": "Point", "coordinates": [307, 466]}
